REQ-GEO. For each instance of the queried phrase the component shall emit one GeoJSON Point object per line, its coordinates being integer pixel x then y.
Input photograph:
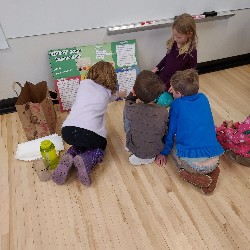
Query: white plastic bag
{"type": "Point", "coordinates": [29, 151]}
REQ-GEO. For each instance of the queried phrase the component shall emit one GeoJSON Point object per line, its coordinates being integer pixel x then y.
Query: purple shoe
{"type": "Point", "coordinates": [83, 173]}
{"type": "Point", "coordinates": [66, 163]}
{"type": "Point", "coordinates": [60, 174]}
{"type": "Point", "coordinates": [85, 162]}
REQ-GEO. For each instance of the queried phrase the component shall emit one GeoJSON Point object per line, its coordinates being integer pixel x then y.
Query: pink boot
{"type": "Point", "coordinates": [85, 162]}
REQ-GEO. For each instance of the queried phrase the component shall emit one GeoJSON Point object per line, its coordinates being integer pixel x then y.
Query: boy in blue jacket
{"type": "Point", "coordinates": [191, 136]}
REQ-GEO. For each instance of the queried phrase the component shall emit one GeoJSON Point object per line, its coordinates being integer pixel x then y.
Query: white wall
{"type": "Point", "coordinates": [27, 58]}
{"type": "Point", "coordinates": [29, 17]}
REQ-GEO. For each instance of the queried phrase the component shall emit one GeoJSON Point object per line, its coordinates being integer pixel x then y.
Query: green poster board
{"type": "Point", "coordinates": [69, 66]}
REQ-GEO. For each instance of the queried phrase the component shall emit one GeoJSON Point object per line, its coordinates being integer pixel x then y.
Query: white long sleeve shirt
{"type": "Point", "coordinates": [88, 110]}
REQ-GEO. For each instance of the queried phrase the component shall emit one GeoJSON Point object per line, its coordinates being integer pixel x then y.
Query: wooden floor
{"type": "Point", "coordinates": [128, 207]}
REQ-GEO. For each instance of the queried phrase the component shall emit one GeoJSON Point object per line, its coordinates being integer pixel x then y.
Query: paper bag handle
{"type": "Point", "coordinates": [53, 99]}
{"type": "Point", "coordinates": [14, 86]}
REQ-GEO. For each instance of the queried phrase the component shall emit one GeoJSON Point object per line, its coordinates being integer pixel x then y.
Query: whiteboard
{"type": "Point", "coordinates": [21, 18]}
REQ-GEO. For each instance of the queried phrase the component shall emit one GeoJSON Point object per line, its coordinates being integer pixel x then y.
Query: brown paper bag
{"type": "Point", "coordinates": [36, 111]}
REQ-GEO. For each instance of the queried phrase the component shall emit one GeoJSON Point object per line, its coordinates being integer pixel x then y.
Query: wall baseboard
{"type": "Point", "coordinates": [8, 105]}
{"type": "Point", "coordinates": [224, 63]}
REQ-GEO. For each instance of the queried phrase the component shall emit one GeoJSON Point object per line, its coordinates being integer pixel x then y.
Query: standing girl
{"type": "Point", "coordinates": [84, 128]}
{"type": "Point", "coordinates": [181, 49]}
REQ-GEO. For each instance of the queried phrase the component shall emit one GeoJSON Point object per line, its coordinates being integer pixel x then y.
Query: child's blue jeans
{"type": "Point", "coordinates": [188, 165]}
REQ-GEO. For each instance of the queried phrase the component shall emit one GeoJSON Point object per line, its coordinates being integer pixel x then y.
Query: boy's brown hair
{"type": "Point", "coordinates": [148, 86]}
{"type": "Point", "coordinates": [186, 82]}
{"type": "Point", "coordinates": [104, 74]}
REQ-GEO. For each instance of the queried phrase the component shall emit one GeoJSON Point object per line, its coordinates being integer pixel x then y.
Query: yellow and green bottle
{"type": "Point", "coordinates": [49, 155]}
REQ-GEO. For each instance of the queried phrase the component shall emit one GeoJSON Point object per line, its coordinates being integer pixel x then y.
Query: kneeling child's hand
{"type": "Point", "coordinates": [161, 160]}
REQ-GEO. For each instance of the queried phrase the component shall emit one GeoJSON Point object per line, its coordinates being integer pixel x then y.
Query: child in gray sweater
{"type": "Point", "coordinates": [145, 122]}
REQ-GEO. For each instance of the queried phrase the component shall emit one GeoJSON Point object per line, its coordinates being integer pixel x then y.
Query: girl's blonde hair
{"type": "Point", "coordinates": [104, 74]}
{"type": "Point", "coordinates": [185, 25]}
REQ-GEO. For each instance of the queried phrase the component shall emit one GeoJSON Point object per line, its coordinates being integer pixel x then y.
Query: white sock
{"type": "Point", "coordinates": [138, 161]}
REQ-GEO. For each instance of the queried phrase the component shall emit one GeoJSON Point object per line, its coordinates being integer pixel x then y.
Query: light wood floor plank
{"type": "Point", "coordinates": [128, 207]}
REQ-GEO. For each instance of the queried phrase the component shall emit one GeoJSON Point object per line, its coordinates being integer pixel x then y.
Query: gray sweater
{"type": "Point", "coordinates": [147, 124]}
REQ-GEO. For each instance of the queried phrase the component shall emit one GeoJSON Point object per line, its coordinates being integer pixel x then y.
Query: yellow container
{"type": "Point", "coordinates": [49, 155]}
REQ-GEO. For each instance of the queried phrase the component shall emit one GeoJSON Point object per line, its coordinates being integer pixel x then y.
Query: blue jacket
{"type": "Point", "coordinates": [191, 126]}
